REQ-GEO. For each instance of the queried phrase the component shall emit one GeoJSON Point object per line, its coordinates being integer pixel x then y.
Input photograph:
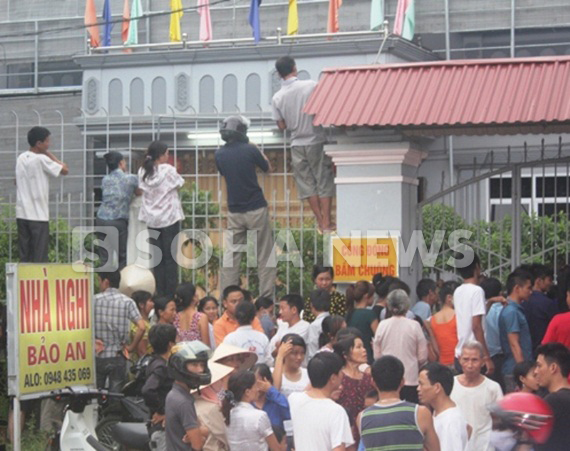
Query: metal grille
{"type": "Point", "coordinates": [74, 199]}
{"type": "Point", "coordinates": [516, 213]}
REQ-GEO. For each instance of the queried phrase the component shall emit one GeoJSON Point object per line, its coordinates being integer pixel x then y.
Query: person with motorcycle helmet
{"type": "Point", "coordinates": [188, 366]}
{"type": "Point", "coordinates": [237, 161]}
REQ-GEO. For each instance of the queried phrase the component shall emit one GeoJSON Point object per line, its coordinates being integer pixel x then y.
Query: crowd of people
{"type": "Point", "coordinates": [364, 369]}
{"type": "Point", "coordinates": [382, 375]}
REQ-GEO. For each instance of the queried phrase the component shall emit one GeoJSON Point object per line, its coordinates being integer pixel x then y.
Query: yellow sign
{"type": "Point", "coordinates": [357, 259]}
{"type": "Point", "coordinates": [55, 328]}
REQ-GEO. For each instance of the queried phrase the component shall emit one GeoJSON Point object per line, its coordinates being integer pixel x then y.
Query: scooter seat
{"type": "Point", "coordinates": [131, 435]}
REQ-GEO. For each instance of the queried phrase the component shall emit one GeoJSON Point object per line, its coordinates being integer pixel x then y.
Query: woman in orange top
{"type": "Point", "coordinates": [444, 324]}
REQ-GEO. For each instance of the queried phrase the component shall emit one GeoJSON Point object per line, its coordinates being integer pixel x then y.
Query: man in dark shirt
{"type": "Point", "coordinates": [552, 369]}
{"type": "Point", "coordinates": [162, 338]}
{"type": "Point", "coordinates": [237, 161]}
{"type": "Point", "coordinates": [539, 309]}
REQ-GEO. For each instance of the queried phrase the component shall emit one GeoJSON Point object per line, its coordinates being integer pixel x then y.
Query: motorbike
{"type": "Point", "coordinates": [79, 423]}
{"type": "Point", "coordinates": [129, 408]}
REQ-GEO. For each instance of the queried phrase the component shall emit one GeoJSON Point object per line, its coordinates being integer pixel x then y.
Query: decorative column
{"type": "Point", "coordinates": [377, 189]}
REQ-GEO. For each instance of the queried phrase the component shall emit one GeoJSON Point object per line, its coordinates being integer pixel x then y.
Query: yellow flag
{"type": "Point", "coordinates": [293, 19]}
{"type": "Point", "coordinates": [175, 16]}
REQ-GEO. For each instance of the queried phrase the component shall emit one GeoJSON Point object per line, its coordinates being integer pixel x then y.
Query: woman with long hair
{"type": "Point", "coordinates": [355, 384]}
{"type": "Point", "coordinates": [117, 190]}
{"type": "Point", "coordinates": [161, 210]}
{"type": "Point", "coordinates": [164, 309]}
{"type": "Point", "coordinates": [358, 298]}
{"type": "Point", "coordinates": [444, 325]}
{"type": "Point", "coordinates": [209, 306]}
{"type": "Point", "coordinates": [248, 429]}
{"type": "Point", "coordinates": [189, 322]}
{"type": "Point", "coordinates": [330, 327]}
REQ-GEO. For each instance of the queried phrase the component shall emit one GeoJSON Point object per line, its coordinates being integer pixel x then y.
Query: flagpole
{"type": "Point", "coordinates": [234, 21]}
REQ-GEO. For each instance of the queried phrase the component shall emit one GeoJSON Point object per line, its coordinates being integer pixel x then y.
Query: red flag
{"type": "Point", "coordinates": [334, 6]}
{"type": "Point", "coordinates": [91, 22]}
{"type": "Point", "coordinates": [126, 22]}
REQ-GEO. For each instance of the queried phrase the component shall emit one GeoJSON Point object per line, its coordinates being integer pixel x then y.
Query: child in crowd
{"type": "Point", "coordinates": [245, 336]}
{"type": "Point", "coordinates": [289, 375]}
{"type": "Point", "coordinates": [248, 429]}
{"type": "Point", "coordinates": [269, 399]}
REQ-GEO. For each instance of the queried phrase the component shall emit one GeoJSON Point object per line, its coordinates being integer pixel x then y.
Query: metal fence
{"type": "Point", "coordinates": [74, 199]}
{"type": "Point", "coordinates": [516, 214]}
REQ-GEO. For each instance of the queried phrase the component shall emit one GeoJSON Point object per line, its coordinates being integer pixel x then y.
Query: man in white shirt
{"type": "Point", "coordinates": [33, 169]}
{"type": "Point", "coordinates": [469, 303]}
{"type": "Point", "coordinates": [319, 423]}
{"type": "Point", "coordinates": [474, 393]}
{"type": "Point", "coordinates": [312, 168]}
{"type": "Point", "coordinates": [320, 306]}
{"type": "Point", "coordinates": [434, 387]}
{"type": "Point", "coordinates": [245, 336]}
{"type": "Point", "coordinates": [290, 308]}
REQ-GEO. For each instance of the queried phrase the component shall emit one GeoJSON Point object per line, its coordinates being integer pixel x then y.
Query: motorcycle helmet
{"type": "Point", "coordinates": [527, 413]}
{"type": "Point", "coordinates": [190, 352]}
{"type": "Point", "coordinates": [234, 128]}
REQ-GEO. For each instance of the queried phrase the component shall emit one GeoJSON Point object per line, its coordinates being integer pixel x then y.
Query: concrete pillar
{"type": "Point", "coordinates": [377, 189]}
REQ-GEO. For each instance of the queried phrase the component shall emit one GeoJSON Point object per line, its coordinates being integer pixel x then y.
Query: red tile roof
{"type": "Point", "coordinates": [490, 96]}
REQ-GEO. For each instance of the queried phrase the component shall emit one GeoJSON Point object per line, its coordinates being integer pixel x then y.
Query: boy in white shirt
{"type": "Point", "coordinates": [33, 171]}
{"type": "Point", "coordinates": [469, 303]}
{"type": "Point", "coordinates": [245, 336]}
{"type": "Point", "coordinates": [434, 387]}
{"type": "Point", "coordinates": [319, 423]}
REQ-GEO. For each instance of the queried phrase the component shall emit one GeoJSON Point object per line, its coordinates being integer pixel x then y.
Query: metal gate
{"type": "Point", "coordinates": [517, 214]}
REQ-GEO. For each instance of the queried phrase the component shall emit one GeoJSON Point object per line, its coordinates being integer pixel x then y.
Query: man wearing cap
{"type": "Point", "coordinates": [237, 161]}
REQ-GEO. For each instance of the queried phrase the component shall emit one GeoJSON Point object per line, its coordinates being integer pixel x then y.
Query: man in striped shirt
{"type": "Point", "coordinates": [392, 423]}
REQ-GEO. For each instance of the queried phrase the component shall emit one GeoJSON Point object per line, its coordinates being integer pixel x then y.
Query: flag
{"type": "Point", "coordinates": [91, 21]}
{"type": "Point", "coordinates": [136, 12]}
{"type": "Point", "coordinates": [107, 24]}
{"type": "Point", "coordinates": [334, 6]}
{"type": "Point", "coordinates": [205, 20]}
{"type": "Point", "coordinates": [126, 22]}
{"type": "Point", "coordinates": [404, 22]}
{"type": "Point", "coordinates": [293, 18]}
{"type": "Point", "coordinates": [175, 16]}
{"type": "Point", "coordinates": [376, 15]}
{"type": "Point", "coordinates": [254, 19]}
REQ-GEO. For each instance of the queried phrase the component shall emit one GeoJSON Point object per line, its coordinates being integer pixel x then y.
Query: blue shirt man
{"type": "Point", "coordinates": [513, 321]}
{"type": "Point", "coordinates": [513, 326]}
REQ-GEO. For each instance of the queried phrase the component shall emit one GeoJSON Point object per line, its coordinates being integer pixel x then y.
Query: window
{"type": "Point", "coordinates": [116, 97]}
{"type": "Point", "coordinates": [137, 96]}
{"type": "Point", "coordinates": [252, 92]}
{"type": "Point", "coordinates": [158, 96]}
{"type": "Point", "coordinates": [229, 93]}
{"type": "Point", "coordinates": [207, 94]}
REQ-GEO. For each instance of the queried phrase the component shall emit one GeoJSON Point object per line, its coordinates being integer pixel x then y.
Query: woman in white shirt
{"type": "Point", "coordinates": [161, 210]}
{"type": "Point", "coordinates": [288, 374]}
{"type": "Point", "coordinates": [248, 428]}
